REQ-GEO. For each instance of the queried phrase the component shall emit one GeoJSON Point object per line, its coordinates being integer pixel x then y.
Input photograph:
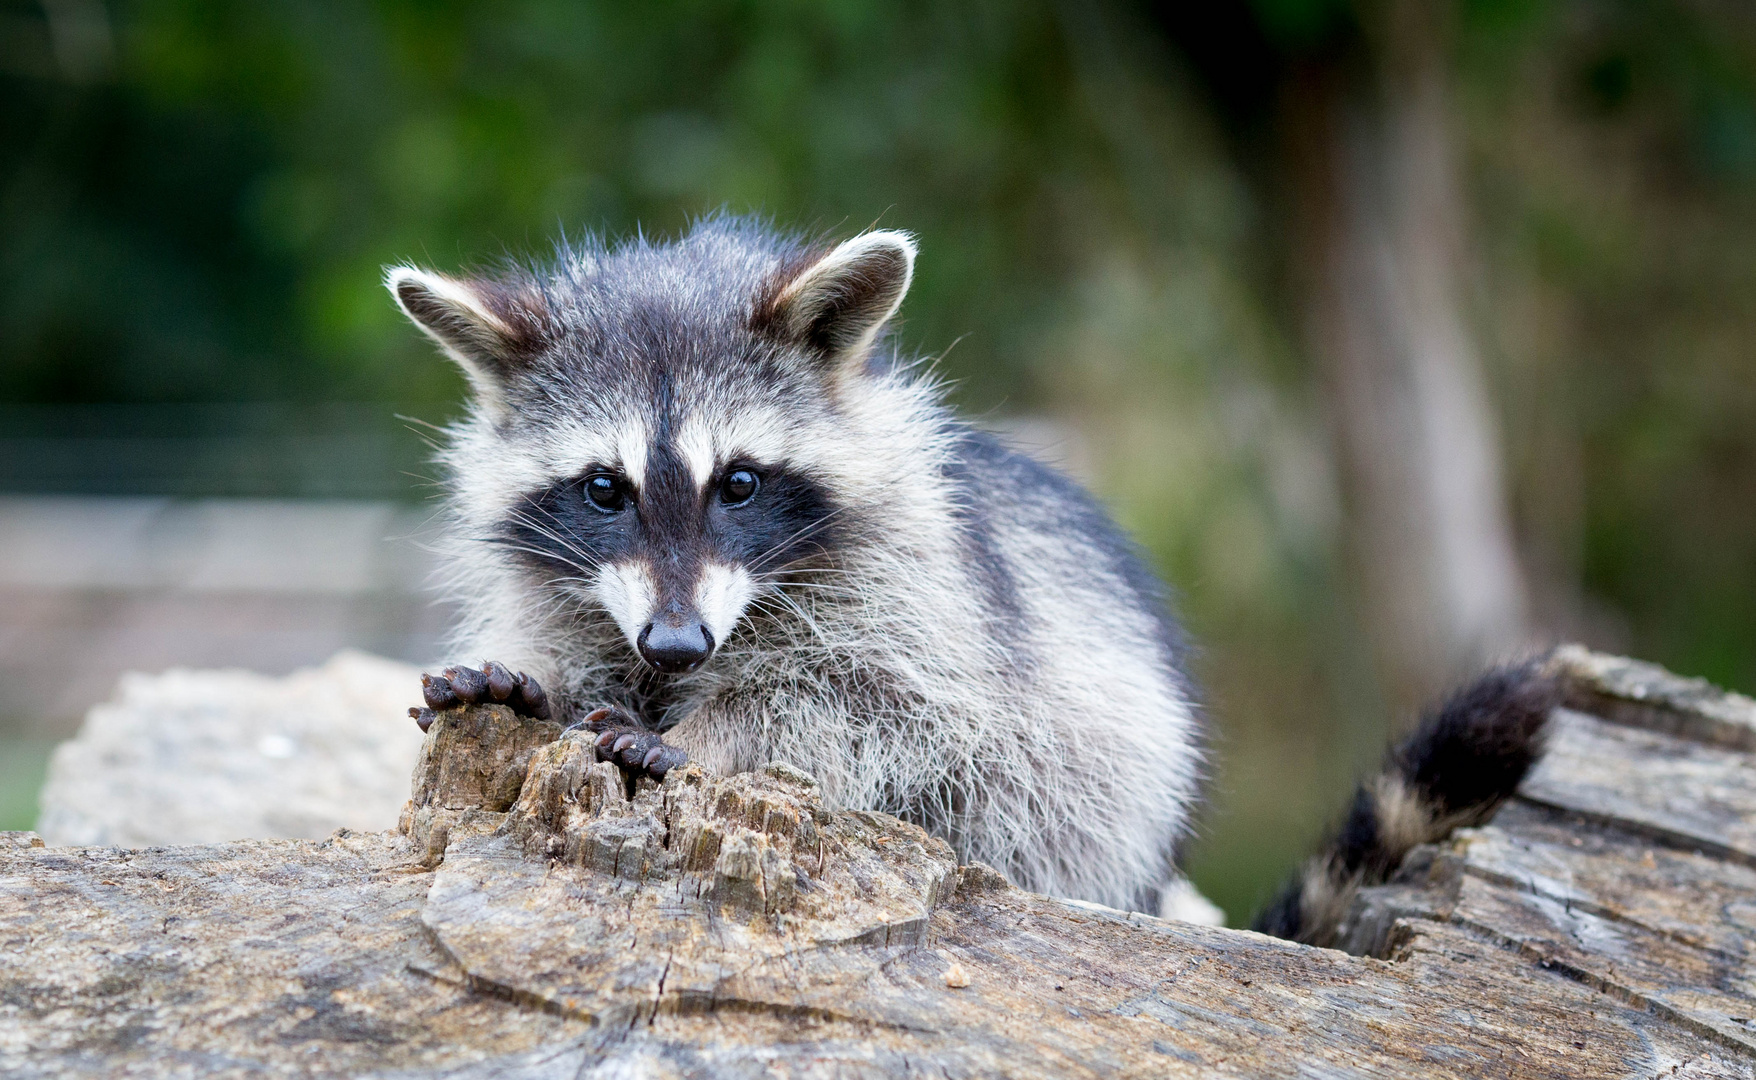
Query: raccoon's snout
{"type": "Point", "coordinates": [675, 643]}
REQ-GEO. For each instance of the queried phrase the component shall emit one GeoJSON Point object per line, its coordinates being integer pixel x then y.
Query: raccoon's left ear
{"type": "Point", "coordinates": [487, 328]}
{"type": "Point", "coordinates": [837, 305]}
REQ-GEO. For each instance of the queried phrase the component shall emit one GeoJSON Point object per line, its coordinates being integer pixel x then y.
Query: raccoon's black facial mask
{"type": "Point", "coordinates": [609, 492]}
{"type": "Point", "coordinates": [675, 563]}
{"type": "Point", "coordinates": [765, 519]}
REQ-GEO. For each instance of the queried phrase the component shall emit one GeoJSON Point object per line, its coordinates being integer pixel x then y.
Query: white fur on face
{"type": "Point", "coordinates": [695, 447]}
{"type": "Point", "coordinates": [627, 592]}
{"type": "Point", "coordinates": [573, 446]}
{"type": "Point", "coordinates": [758, 433]}
{"type": "Point", "coordinates": [721, 596]}
{"type": "Point", "coordinates": [631, 449]}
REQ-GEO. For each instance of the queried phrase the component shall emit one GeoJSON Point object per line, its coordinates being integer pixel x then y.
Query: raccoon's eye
{"type": "Point", "coordinates": [605, 492]}
{"type": "Point", "coordinates": [739, 487]}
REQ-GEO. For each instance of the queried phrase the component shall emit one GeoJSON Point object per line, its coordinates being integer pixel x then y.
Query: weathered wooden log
{"type": "Point", "coordinates": [736, 926]}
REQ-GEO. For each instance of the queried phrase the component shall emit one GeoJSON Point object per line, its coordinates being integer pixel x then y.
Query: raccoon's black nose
{"type": "Point", "coordinates": [675, 645]}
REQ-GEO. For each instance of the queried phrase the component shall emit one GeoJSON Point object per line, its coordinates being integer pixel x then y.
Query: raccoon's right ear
{"type": "Point", "coordinates": [479, 324]}
{"type": "Point", "coordinates": [837, 305]}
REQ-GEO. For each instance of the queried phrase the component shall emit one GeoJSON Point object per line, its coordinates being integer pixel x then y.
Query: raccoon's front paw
{"type": "Point", "coordinates": [493, 683]}
{"type": "Point", "coordinates": [635, 748]}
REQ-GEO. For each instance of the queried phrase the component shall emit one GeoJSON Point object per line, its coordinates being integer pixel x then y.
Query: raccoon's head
{"type": "Point", "coordinates": [665, 432]}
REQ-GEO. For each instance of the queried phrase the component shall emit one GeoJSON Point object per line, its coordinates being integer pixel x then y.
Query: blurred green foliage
{"type": "Point", "coordinates": [197, 200]}
{"type": "Point", "coordinates": [1613, 153]}
{"type": "Point", "coordinates": [23, 764]}
{"type": "Point", "coordinates": [213, 223]}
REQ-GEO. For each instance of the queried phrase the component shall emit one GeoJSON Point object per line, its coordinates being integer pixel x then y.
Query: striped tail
{"type": "Point", "coordinates": [1459, 765]}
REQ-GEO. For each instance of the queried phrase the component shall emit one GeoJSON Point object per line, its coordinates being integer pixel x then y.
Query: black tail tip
{"type": "Point", "coordinates": [1476, 747]}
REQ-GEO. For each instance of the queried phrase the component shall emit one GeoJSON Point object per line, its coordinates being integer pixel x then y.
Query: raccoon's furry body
{"type": "Point", "coordinates": [930, 624]}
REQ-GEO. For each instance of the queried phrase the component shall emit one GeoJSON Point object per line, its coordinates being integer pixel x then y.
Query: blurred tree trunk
{"type": "Point", "coordinates": [1342, 116]}
{"type": "Point", "coordinates": [1380, 238]}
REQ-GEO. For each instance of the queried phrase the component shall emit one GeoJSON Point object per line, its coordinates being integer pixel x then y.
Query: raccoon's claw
{"type": "Point", "coordinates": [466, 686]}
{"type": "Point", "coordinates": [437, 692]}
{"type": "Point", "coordinates": [640, 751]}
{"type": "Point", "coordinates": [630, 746]}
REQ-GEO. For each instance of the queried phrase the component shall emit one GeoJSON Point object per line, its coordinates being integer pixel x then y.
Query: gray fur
{"type": "Point", "coordinates": [969, 644]}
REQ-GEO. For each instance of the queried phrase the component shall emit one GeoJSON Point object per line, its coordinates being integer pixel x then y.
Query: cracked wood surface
{"type": "Point", "coordinates": [1600, 926]}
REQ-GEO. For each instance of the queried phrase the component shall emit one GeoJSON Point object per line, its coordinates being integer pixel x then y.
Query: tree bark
{"type": "Point", "coordinates": [1599, 926]}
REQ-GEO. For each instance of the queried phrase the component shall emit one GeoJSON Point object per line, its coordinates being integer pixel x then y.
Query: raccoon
{"type": "Point", "coordinates": [703, 500]}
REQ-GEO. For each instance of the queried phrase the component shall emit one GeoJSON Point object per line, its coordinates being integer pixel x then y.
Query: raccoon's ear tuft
{"type": "Point", "coordinates": [479, 324]}
{"type": "Point", "coordinates": [837, 305]}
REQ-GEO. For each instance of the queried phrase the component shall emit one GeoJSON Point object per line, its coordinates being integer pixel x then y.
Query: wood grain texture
{"type": "Point", "coordinates": [1637, 694]}
{"type": "Point", "coordinates": [1600, 926]}
{"type": "Point", "coordinates": [1682, 793]}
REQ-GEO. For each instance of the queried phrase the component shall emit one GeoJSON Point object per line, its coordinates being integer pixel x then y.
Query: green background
{"type": "Point", "coordinates": [195, 211]}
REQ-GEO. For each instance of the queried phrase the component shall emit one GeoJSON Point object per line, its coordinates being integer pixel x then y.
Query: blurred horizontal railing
{"type": "Point", "coordinates": [91, 586]}
{"type": "Point", "coordinates": [302, 450]}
